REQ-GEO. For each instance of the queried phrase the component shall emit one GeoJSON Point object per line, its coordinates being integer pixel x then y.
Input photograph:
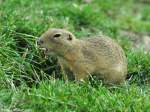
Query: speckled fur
{"type": "Point", "coordinates": [88, 56]}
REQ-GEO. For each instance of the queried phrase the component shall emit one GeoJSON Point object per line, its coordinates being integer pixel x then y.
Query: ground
{"type": "Point", "coordinates": [26, 82]}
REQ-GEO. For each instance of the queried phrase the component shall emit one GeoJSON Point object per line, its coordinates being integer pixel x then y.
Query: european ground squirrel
{"type": "Point", "coordinates": [84, 57]}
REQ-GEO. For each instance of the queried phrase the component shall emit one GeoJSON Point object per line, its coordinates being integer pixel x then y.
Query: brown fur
{"type": "Point", "coordinates": [84, 57]}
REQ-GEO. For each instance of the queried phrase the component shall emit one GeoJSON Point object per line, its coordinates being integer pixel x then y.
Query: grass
{"type": "Point", "coordinates": [25, 74]}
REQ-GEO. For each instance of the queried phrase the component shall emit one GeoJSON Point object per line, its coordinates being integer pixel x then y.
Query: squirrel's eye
{"type": "Point", "coordinates": [57, 35]}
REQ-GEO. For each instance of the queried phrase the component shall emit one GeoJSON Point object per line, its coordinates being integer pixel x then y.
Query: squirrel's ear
{"type": "Point", "coordinates": [69, 37]}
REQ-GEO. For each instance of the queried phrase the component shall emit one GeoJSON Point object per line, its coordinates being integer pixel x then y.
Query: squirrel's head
{"type": "Point", "coordinates": [56, 40]}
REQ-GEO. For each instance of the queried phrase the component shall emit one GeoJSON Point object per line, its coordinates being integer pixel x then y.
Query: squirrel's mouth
{"type": "Point", "coordinates": [46, 50]}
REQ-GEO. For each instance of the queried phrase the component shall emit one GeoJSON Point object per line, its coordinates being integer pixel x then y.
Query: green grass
{"type": "Point", "coordinates": [25, 75]}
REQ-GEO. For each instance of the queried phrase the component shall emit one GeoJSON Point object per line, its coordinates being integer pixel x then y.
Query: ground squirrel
{"type": "Point", "coordinates": [84, 57]}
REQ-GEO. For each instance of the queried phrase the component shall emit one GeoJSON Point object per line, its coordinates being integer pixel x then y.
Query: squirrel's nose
{"type": "Point", "coordinates": [39, 42]}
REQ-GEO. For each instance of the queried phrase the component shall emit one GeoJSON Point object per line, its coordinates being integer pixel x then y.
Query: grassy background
{"type": "Point", "coordinates": [25, 74]}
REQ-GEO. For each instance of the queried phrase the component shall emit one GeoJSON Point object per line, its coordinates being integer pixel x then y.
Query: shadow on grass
{"type": "Point", "coordinates": [139, 77]}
